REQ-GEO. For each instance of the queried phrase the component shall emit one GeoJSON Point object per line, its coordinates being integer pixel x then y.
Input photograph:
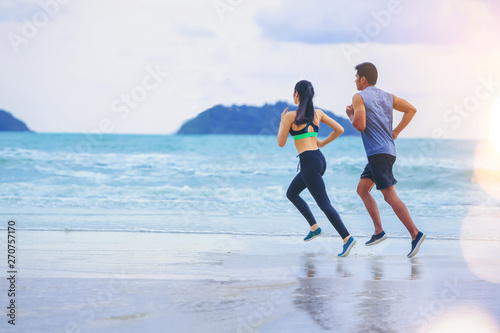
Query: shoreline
{"type": "Point", "coordinates": [471, 227]}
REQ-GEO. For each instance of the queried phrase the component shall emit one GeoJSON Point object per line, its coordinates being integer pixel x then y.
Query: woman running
{"type": "Point", "coordinates": [303, 125]}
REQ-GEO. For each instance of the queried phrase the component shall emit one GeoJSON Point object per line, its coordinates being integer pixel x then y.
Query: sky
{"type": "Point", "coordinates": [147, 67]}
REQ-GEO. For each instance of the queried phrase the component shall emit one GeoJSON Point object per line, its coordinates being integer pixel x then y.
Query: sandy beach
{"type": "Point", "coordinates": [163, 282]}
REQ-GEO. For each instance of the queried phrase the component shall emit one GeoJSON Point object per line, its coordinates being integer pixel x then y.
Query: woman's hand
{"type": "Point", "coordinates": [283, 114]}
{"type": "Point", "coordinates": [319, 143]}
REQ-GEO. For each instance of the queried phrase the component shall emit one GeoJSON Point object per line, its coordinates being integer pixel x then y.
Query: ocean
{"type": "Point", "coordinates": [221, 184]}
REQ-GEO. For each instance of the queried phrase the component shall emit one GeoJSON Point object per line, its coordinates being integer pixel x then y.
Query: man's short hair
{"type": "Point", "coordinates": [369, 71]}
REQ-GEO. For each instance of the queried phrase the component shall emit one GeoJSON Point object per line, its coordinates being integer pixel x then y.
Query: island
{"type": "Point", "coordinates": [10, 123]}
{"type": "Point", "coordinates": [250, 120]}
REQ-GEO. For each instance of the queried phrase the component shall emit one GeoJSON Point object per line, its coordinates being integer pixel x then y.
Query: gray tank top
{"type": "Point", "coordinates": [377, 136]}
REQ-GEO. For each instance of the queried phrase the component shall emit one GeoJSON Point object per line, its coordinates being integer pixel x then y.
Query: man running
{"type": "Point", "coordinates": [371, 113]}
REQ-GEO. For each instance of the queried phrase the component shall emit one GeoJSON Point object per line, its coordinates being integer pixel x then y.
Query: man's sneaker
{"type": "Point", "coordinates": [415, 244]}
{"type": "Point", "coordinates": [378, 238]}
{"type": "Point", "coordinates": [347, 247]}
{"type": "Point", "coordinates": [313, 234]}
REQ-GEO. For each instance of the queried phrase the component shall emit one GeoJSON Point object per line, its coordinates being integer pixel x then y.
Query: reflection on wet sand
{"type": "Point", "coordinates": [317, 296]}
{"type": "Point", "coordinates": [375, 301]}
{"type": "Point", "coordinates": [330, 290]}
{"type": "Point", "coordinates": [415, 268]}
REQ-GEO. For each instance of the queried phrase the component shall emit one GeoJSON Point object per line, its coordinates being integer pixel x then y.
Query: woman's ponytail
{"type": "Point", "coordinates": [305, 111]}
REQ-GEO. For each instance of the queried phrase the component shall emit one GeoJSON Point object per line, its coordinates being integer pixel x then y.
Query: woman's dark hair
{"type": "Point", "coordinates": [369, 71]}
{"type": "Point", "coordinates": [305, 111]}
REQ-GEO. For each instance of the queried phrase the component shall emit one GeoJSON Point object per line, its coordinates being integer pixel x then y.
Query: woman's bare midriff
{"type": "Point", "coordinates": [306, 144]}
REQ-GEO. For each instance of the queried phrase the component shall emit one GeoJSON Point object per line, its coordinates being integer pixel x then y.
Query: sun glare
{"type": "Point", "coordinates": [494, 122]}
{"type": "Point", "coordinates": [480, 244]}
{"type": "Point", "coordinates": [487, 159]}
{"type": "Point", "coordinates": [463, 318]}
{"type": "Point", "coordinates": [487, 167]}
{"type": "Point", "coordinates": [483, 260]}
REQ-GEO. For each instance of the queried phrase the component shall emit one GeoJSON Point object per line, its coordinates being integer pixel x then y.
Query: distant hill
{"type": "Point", "coordinates": [9, 123]}
{"type": "Point", "coordinates": [244, 119]}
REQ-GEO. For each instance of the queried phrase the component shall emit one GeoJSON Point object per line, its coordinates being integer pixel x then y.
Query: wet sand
{"type": "Point", "coordinates": [161, 282]}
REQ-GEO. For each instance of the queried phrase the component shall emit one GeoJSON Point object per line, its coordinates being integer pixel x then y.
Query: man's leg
{"type": "Point", "coordinates": [365, 185]}
{"type": "Point", "coordinates": [400, 209]}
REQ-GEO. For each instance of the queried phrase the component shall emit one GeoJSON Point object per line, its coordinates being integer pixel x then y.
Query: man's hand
{"type": "Point", "coordinates": [349, 110]}
{"type": "Point", "coordinates": [394, 135]}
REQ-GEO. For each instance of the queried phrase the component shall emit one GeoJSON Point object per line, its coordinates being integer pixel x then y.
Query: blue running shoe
{"type": "Point", "coordinates": [378, 238]}
{"type": "Point", "coordinates": [347, 247]}
{"type": "Point", "coordinates": [313, 234]}
{"type": "Point", "coordinates": [415, 244]}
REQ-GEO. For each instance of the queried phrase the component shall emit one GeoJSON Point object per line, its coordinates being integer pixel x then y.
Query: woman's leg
{"type": "Point", "coordinates": [296, 187]}
{"type": "Point", "coordinates": [312, 172]}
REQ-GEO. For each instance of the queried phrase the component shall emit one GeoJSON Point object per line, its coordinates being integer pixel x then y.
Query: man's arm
{"type": "Point", "coordinates": [357, 113]}
{"type": "Point", "coordinates": [409, 111]}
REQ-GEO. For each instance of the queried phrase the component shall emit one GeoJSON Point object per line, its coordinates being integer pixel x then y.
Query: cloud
{"type": "Point", "coordinates": [28, 10]}
{"type": "Point", "coordinates": [193, 32]}
{"type": "Point", "coordinates": [68, 76]}
{"type": "Point", "coordinates": [16, 10]}
{"type": "Point", "coordinates": [388, 22]}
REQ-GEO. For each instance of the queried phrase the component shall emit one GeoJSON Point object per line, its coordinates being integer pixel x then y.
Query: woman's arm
{"type": "Point", "coordinates": [337, 129]}
{"type": "Point", "coordinates": [287, 119]}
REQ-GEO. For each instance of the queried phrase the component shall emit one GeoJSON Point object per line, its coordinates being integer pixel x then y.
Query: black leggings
{"type": "Point", "coordinates": [312, 168]}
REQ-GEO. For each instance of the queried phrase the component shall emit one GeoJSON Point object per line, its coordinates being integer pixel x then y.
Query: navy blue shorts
{"type": "Point", "coordinates": [379, 170]}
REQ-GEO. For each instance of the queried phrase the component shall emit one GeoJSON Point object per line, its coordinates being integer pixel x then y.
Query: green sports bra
{"type": "Point", "coordinates": [303, 133]}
